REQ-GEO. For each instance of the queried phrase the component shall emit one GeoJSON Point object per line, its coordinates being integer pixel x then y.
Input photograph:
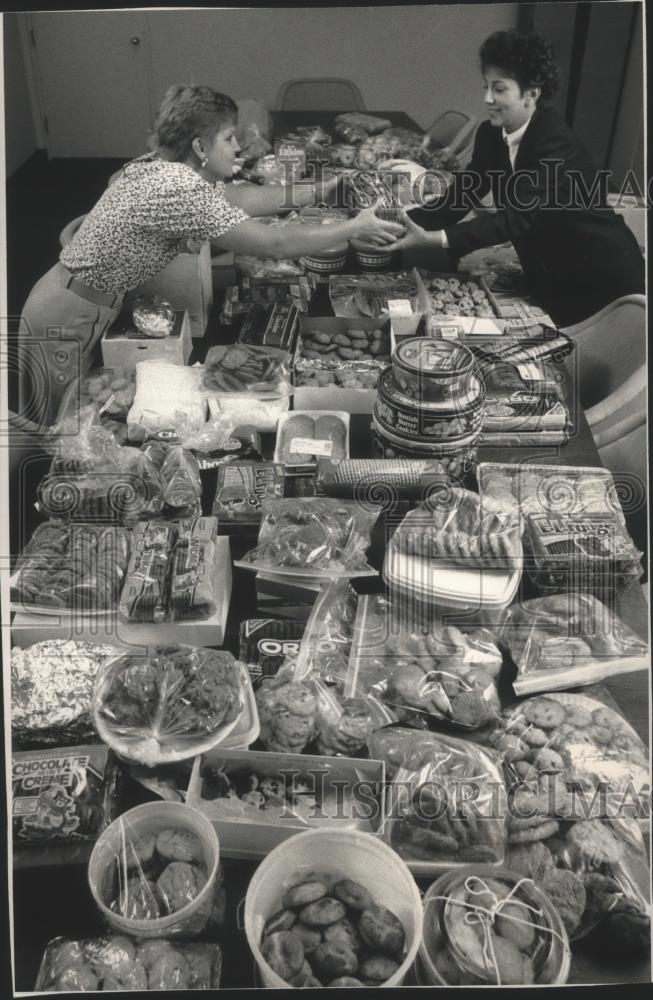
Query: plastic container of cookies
{"type": "Point", "coordinates": [122, 858]}
{"type": "Point", "coordinates": [299, 449]}
{"type": "Point", "coordinates": [347, 854]}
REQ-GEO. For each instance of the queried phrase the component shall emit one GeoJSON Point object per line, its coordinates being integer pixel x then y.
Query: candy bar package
{"type": "Point", "coordinates": [169, 705]}
{"type": "Point", "coordinates": [144, 596]}
{"type": "Point", "coordinates": [457, 526]}
{"type": "Point", "coordinates": [241, 489]}
{"type": "Point", "coordinates": [271, 326]}
{"type": "Point", "coordinates": [62, 799]}
{"type": "Point", "coordinates": [192, 569]}
{"type": "Point", "coordinates": [379, 480]}
{"type": "Point", "coordinates": [52, 687]}
{"type": "Point", "coordinates": [579, 745]}
{"type": "Point", "coordinates": [115, 963]}
{"type": "Point", "coordinates": [589, 551]}
{"type": "Point", "coordinates": [423, 673]}
{"type": "Point", "coordinates": [568, 640]}
{"type": "Point", "coordinates": [265, 643]}
{"type": "Point", "coordinates": [69, 565]}
{"type": "Point", "coordinates": [318, 537]}
{"type": "Point", "coordinates": [594, 871]}
{"type": "Point", "coordinates": [446, 804]}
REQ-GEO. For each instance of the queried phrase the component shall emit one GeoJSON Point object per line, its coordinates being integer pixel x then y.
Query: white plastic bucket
{"type": "Point", "coordinates": [152, 818]}
{"type": "Point", "coordinates": [348, 854]}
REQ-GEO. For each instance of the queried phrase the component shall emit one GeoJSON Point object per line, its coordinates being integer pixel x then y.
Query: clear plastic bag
{"type": "Point", "coordinates": [180, 477]}
{"type": "Point", "coordinates": [287, 711]}
{"type": "Point", "coordinates": [169, 705]}
{"type": "Point", "coordinates": [109, 390]}
{"type": "Point", "coordinates": [113, 962]}
{"type": "Point", "coordinates": [596, 873]}
{"type": "Point", "coordinates": [424, 673]}
{"type": "Point", "coordinates": [568, 640]}
{"type": "Point", "coordinates": [456, 526]}
{"type": "Point", "coordinates": [245, 368]}
{"type": "Point", "coordinates": [80, 566]}
{"type": "Point", "coordinates": [580, 746]}
{"type": "Point", "coordinates": [314, 536]}
{"type": "Point", "coordinates": [446, 804]}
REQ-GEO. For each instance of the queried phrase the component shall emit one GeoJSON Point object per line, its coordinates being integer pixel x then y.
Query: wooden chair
{"type": "Point", "coordinates": [611, 358]}
{"type": "Point", "coordinates": [320, 94]}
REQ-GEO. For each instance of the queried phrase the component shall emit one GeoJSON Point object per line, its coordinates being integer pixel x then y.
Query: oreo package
{"type": "Point", "coordinates": [62, 799]}
{"type": "Point", "coordinates": [241, 489]}
{"type": "Point", "coordinates": [265, 643]}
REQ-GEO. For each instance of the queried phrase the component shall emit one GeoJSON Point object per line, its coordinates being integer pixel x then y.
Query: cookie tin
{"type": "Point", "coordinates": [432, 370]}
{"type": "Point", "coordinates": [446, 421]}
{"type": "Point", "coordinates": [326, 261]}
{"type": "Point", "coordinates": [456, 460]}
{"type": "Point", "coordinates": [369, 256]}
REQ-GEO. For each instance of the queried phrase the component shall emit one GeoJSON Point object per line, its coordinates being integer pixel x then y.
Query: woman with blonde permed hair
{"type": "Point", "coordinates": [158, 203]}
{"type": "Point", "coordinates": [576, 253]}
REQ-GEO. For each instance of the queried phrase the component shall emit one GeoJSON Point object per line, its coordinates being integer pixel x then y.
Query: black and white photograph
{"type": "Point", "coordinates": [324, 510]}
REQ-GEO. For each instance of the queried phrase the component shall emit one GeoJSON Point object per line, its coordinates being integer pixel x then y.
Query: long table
{"type": "Point", "coordinates": [56, 901]}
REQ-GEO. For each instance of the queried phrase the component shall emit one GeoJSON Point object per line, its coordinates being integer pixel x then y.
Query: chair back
{"type": "Point", "coordinates": [453, 130]}
{"type": "Point", "coordinates": [320, 94]}
{"type": "Point", "coordinates": [626, 458]}
{"type": "Point", "coordinates": [610, 347]}
{"type": "Point", "coordinates": [67, 233]}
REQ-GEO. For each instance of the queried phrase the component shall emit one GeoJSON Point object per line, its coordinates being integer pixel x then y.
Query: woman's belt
{"type": "Point", "coordinates": [87, 292]}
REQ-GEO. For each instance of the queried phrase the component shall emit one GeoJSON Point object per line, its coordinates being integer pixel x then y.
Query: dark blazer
{"type": "Point", "coordinates": [576, 257]}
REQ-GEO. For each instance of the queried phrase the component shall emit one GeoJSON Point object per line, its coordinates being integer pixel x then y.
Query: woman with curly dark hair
{"type": "Point", "coordinates": [576, 253]}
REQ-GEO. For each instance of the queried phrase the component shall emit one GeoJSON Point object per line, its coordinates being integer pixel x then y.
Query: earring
{"type": "Point", "coordinates": [204, 161]}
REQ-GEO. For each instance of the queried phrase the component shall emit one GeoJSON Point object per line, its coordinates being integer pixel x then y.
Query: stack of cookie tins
{"type": "Point", "coordinates": [430, 404]}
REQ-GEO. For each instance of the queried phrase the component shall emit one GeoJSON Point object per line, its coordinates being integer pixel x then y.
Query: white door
{"type": "Point", "coordinates": [93, 80]}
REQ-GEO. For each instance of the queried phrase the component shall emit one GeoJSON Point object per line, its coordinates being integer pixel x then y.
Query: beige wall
{"type": "Point", "coordinates": [20, 137]}
{"type": "Point", "coordinates": [421, 60]}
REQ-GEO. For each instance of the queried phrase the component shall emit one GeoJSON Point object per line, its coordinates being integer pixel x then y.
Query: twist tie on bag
{"type": "Point", "coordinates": [485, 916]}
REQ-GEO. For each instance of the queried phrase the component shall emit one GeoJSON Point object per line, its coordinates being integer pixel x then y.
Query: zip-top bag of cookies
{"type": "Point", "coordinates": [454, 525]}
{"type": "Point", "coordinates": [170, 705]}
{"type": "Point", "coordinates": [569, 640]}
{"type": "Point", "coordinates": [582, 744]}
{"type": "Point", "coordinates": [446, 804]}
{"type": "Point", "coordinates": [319, 537]}
{"type": "Point", "coordinates": [596, 874]}
{"type": "Point", "coordinates": [423, 673]}
{"type": "Point", "coordinates": [113, 962]}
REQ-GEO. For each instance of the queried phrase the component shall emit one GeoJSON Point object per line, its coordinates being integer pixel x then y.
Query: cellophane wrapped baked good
{"type": "Point", "coordinates": [62, 799]}
{"type": "Point", "coordinates": [93, 477]}
{"type": "Point", "coordinates": [179, 473]}
{"type": "Point", "coordinates": [571, 746]}
{"type": "Point", "coordinates": [69, 565]}
{"type": "Point", "coordinates": [115, 962]}
{"type": "Point", "coordinates": [108, 390]}
{"type": "Point", "coordinates": [167, 396]}
{"type": "Point", "coordinates": [192, 573]}
{"type": "Point", "coordinates": [379, 480]}
{"type": "Point", "coordinates": [370, 124]}
{"type": "Point", "coordinates": [368, 294]}
{"type": "Point", "coordinates": [169, 705]}
{"type": "Point", "coordinates": [316, 536]}
{"type": "Point", "coordinates": [454, 525]}
{"type": "Point", "coordinates": [446, 804]}
{"type": "Point", "coordinates": [247, 381]}
{"type": "Point", "coordinates": [424, 673]}
{"type": "Point", "coordinates": [595, 872]}
{"type": "Point", "coordinates": [52, 687]}
{"type": "Point", "coordinates": [567, 640]}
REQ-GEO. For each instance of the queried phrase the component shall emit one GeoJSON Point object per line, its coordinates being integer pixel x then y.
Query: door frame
{"type": "Point", "coordinates": [37, 104]}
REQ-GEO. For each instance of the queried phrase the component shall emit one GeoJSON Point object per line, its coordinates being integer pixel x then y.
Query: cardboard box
{"type": "Point", "coordinates": [223, 270]}
{"type": "Point", "coordinates": [28, 627]}
{"type": "Point", "coordinates": [250, 838]}
{"type": "Point", "coordinates": [332, 397]}
{"type": "Point", "coordinates": [187, 284]}
{"type": "Point", "coordinates": [122, 351]}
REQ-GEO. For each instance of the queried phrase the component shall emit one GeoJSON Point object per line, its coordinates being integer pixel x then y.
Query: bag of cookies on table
{"type": "Point", "coordinates": [114, 962]}
{"type": "Point", "coordinates": [446, 804]}
{"type": "Point", "coordinates": [568, 640]}
{"type": "Point", "coordinates": [576, 753]}
{"type": "Point", "coordinates": [318, 537]}
{"type": "Point", "coordinates": [596, 873]}
{"type": "Point", "coordinates": [435, 672]}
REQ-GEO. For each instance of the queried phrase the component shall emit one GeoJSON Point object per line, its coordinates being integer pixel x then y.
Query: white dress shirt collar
{"type": "Point", "coordinates": [513, 139]}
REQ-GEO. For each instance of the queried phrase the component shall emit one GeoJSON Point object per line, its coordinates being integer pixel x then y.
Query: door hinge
{"type": "Point", "coordinates": [45, 125]}
{"type": "Point", "coordinates": [32, 36]}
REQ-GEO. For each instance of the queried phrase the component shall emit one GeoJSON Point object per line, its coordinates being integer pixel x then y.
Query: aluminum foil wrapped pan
{"type": "Point", "coordinates": [153, 316]}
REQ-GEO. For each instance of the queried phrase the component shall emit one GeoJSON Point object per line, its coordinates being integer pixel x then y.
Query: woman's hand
{"type": "Point", "coordinates": [370, 228]}
{"type": "Point", "coordinates": [415, 236]}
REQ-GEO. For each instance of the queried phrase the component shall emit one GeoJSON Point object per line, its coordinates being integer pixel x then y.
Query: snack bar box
{"type": "Point", "coordinates": [29, 627]}
{"type": "Point", "coordinates": [250, 838]}
{"type": "Point", "coordinates": [122, 351]}
{"type": "Point", "coordinates": [187, 284]}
